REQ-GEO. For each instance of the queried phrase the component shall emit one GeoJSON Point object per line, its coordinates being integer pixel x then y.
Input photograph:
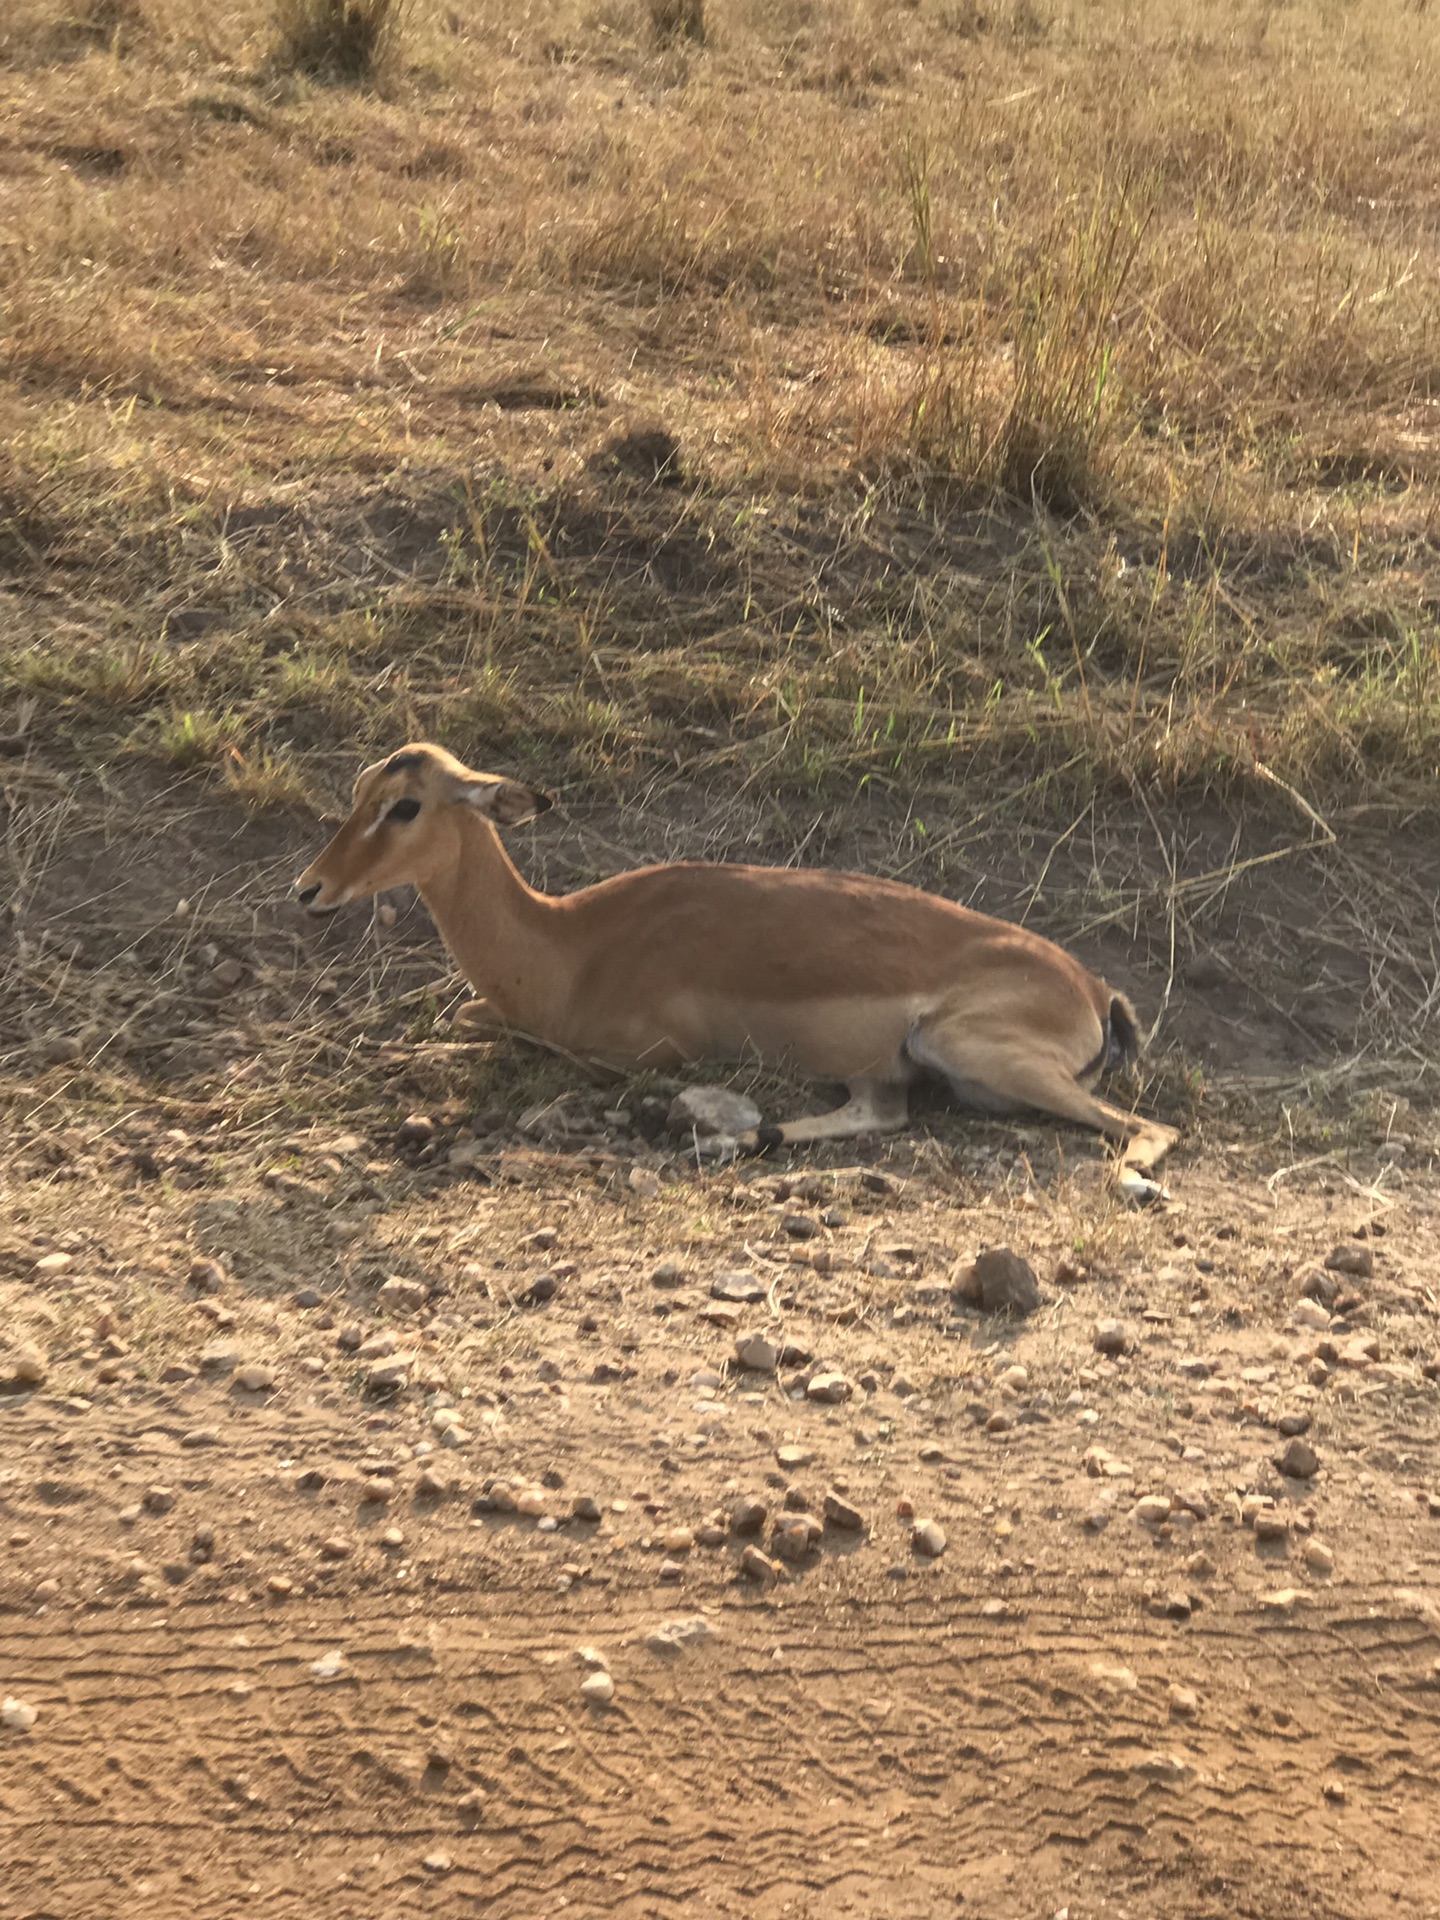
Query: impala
{"type": "Point", "coordinates": [838, 976]}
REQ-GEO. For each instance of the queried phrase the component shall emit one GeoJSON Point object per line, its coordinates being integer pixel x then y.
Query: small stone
{"type": "Point", "coordinates": [829, 1387]}
{"type": "Point", "coordinates": [49, 1264]}
{"type": "Point", "coordinates": [708, 1111]}
{"type": "Point", "coordinates": [1282, 1600]}
{"type": "Point", "coordinates": [392, 1538]}
{"type": "Point", "coordinates": [678, 1540]}
{"type": "Point", "coordinates": [24, 1367]}
{"type": "Point", "coordinates": [330, 1666]}
{"type": "Point", "coordinates": [1184, 1701]}
{"type": "Point", "coordinates": [206, 1276]}
{"type": "Point", "coordinates": [159, 1499]}
{"type": "Point", "coordinates": [1006, 1283]}
{"type": "Point", "coordinates": [375, 1491]}
{"type": "Point", "coordinates": [1311, 1315]}
{"type": "Point", "coordinates": [389, 1376]}
{"type": "Point", "coordinates": [1356, 1262]}
{"type": "Point", "coordinates": [17, 1716]}
{"type": "Point", "coordinates": [221, 1356]}
{"type": "Point", "coordinates": [738, 1287]}
{"type": "Point", "coordinates": [586, 1508]}
{"type": "Point", "coordinates": [201, 1437]}
{"type": "Point", "coordinates": [1271, 1524]}
{"type": "Point", "coordinates": [671, 1573]}
{"type": "Point", "coordinates": [307, 1297]}
{"type": "Point", "coordinates": [668, 1275]}
{"type": "Point", "coordinates": [794, 1458]}
{"type": "Point", "coordinates": [1336, 1792]}
{"type": "Point", "coordinates": [280, 1584]}
{"type": "Point", "coordinates": [598, 1689]}
{"type": "Point", "coordinates": [336, 1547]}
{"type": "Point", "coordinates": [754, 1565]}
{"type": "Point", "coordinates": [928, 1537]}
{"type": "Point", "coordinates": [470, 1808]}
{"type": "Point", "coordinates": [1299, 1461]}
{"type": "Point", "coordinates": [227, 974]}
{"type": "Point", "coordinates": [438, 1862]}
{"type": "Point", "coordinates": [757, 1353]}
{"type": "Point", "coordinates": [674, 1636]}
{"type": "Point", "coordinates": [1292, 1423]}
{"type": "Point", "coordinates": [415, 1130]}
{"type": "Point", "coordinates": [839, 1513]}
{"type": "Point", "coordinates": [399, 1295]}
{"type": "Point", "coordinates": [1152, 1510]}
{"type": "Point", "coordinates": [795, 1536]}
{"type": "Point", "coordinates": [1001, 1421]}
{"type": "Point", "coordinates": [748, 1516]}
{"type": "Point", "coordinates": [1318, 1558]}
{"type": "Point", "coordinates": [254, 1378]}
{"type": "Point", "coordinates": [1111, 1336]}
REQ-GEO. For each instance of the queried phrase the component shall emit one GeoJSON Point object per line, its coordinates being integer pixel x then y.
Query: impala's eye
{"type": "Point", "coordinates": [403, 810]}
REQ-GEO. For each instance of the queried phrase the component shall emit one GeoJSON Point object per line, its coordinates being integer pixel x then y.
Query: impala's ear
{"type": "Point", "coordinates": [506, 802]}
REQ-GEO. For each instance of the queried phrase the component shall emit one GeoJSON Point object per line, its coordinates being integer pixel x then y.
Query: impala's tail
{"type": "Point", "coordinates": [1122, 1035]}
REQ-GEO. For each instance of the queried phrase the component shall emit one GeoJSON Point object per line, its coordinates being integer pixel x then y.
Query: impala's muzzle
{"type": "Point", "coordinates": [309, 896]}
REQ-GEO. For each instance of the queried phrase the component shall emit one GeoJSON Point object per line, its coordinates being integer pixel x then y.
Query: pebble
{"type": "Point", "coordinates": [586, 1507]}
{"type": "Point", "coordinates": [1000, 1421]}
{"type": "Point", "coordinates": [793, 1458]}
{"type": "Point", "coordinates": [330, 1666]}
{"type": "Point", "coordinates": [52, 1263]}
{"type": "Point", "coordinates": [668, 1274]}
{"type": "Point", "coordinates": [741, 1288]}
{"type": "Point", "coordinates": [1184, 1701]}
{"type": "Point", "coordinates": [678, 1540]}
{"type": "Point", "coordinates": [376, 1490]}
{"type": "Point", "coordinates": [470, 1808]}
{"type": "Point", "coordinates": [1318, 1557]}
{"type": "Point", "coordinates": [389, 1376]}
{"type": "Point", "coordinates": [1299, 1461]}
{"type": "Point", "coordinates": [307, 1297]}
{"type": "Point", "coordinates": [684, 1630]}
{"type": "Point", "coordinates": [671, 1573]}
{"type": "Point", "coordinates": [437, 1862]}
{"type": "Point", "coordinates": [1005, 1282]}
{"type": "Point", "coordinates": [280, 1584]}
{"type": "Point", "coordinates": [1152, 1509]}
{"type": "Point", "coordinates": [399, 1295]}
{"type": "Point", "coordinates": [159, 1499]}
{"type": "Point", "coordinates": [1292, 1423]}
{"type": "Point", "coordinates": [1357, 1262]}
{"type": "Point", "coordinates": [415, 1130]}
{"type": "Point", "coordinates": [754, 1565]}
{"type": "Point", "coordinates": [598, 1689]}
{"type": "Point", "coordinates": [1112, 1336]}
{"type": "Point", "coordinates": [25, 1367]}
{"type": "Point", "coordinates": [336, 1547]}
{"type": "Point", "coordinates": [221, 1356]}
{"type": "Point", "coordinates": [795, 1536]}
{"type": "Point", "coordinates": [1282, 1600]}
{"type": "Point", "coordinates": [748, 1516]}
{"type": "Point", "coordinates": [17, 1716]}
{"type": "Point", "coordinates": [1271, 1524]}
{"type": "Point", "coordinates": [711, 1110]}
{"type": "Point", "coordinates": [207, 1276]}
{"type": "Point", "coordinates": [928, 1537]}
{"type": "Point", "coordinates": [756, 1353]}
{"type": "Point", "coordinates": [839, 1513]}
{"type": "Point", "coordinates": [254, 1378]}
{"type": "Point", "coordinates": [829, 1387]}
{"type": "Point", "coordinates": [1310, 1314]}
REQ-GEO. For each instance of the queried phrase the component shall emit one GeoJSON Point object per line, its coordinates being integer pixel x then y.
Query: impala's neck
{"type": "Point", "coordinates": [505, 938]}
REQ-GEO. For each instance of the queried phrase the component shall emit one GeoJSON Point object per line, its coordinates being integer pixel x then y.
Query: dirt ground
{"type": "Point", "coordinates": [305, 1621]}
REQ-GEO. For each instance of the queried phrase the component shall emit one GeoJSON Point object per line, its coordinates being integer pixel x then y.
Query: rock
{"type": "Point", "coordinates": [201, 1437]}
{"type": "Point", "coordinates": [438, 1862]}
{"type": "Point", "coordinates": [350, 1339]}
{"type": "Point", "coordinates": [669, 1274]}
{"type": "Point", "coordinates": [1184, 1702]}
{"type": "Point", "coordinates": [221, 1356]}
{"type": "Point", "coordinates": [330, 1666]}
{"type": "Point", "coordinates": [677, 1540]}
{"type": "Point", "coordinates": [1001, 1421]}
{"type": "Point", "coordinates": [1292, 1423]}
{"type": "Point", "coordinates": [754, 1565]}
{"type": "Point", "coordinates": [415, 1130]}
{"type": "Point", "coordinates": [598, 1689]}
{"type": "Point", "coordinates": [399, 1295]}
{"type": "Point", "coordinates": [227, 974]}
{"type": "Point", "coordinates": [674, 1636]}
{"type": "Point", "coordinates": [1310, 1315]}
{"type": "Point", "coordinates": [49, 1264]}
{"type": "Point", "coordinates": [793, 1459]}
{"type": "Point", "coordinates": [586, 1508]}
{"type": "Point", "coordinates": [1356, 1262]}
{"type": "Point", "coordinates": [470, 1808]}
{"type": "Point", "coordinates": [795, 1536]}
{"type": "Point", "coordinates": [1004, 1282]}
{"type": "Point", "coordinates": [307, 1297]}
{"type": "Point", "coordinates": [1318, 1558]}
{"type": "Point", "coordinates": [206, 1276]}
{"type": "Point", "coordinates": [1282, 1600]}
{"type": "Point", "coordinates": [1152, 1510]}
{"type": "Point", "coordinates": [671, 1573]}
{"type": "Point", "coordinates": [23, 1367]}
{"type": "Point", "coordinates": [757, 1353]}
{"type": "Point", "coordinates": [1271, 1524]}
{"type": "Point", "coordinates": [392, 1538]}
{"type": "Point", "coordinates": [17, 1716]}
{"type": "Point", "coordinates": [927, 1537]}
{"type": "Point", "coordinates": [1299, 1461]}
{"type": "Point", "coordinates": [281, 1585]}
{"type": "Point", "coordinates": [839, 1513]}
{"type": "Point", "coordinates": [712, 1110]}
{"type": "Point", "coordinates": [1111, 1336]}
{"type": "Point", "coordinates": [159, 1499]}
{"type": "Point", "coordinates": [389, 1376]}
{"type": "Point", "coordinates": [738, 1286]}
{"type": "Point", "coordinates": [748, 1516]}
{"type": "Point", "coordinates": [829, 1387]}
{"type": "Point", "coordinates": [254, 1378]}
{"type": "Point", "coordinates": [903, 1387]}
{"type": "Point", "coordinates": [375, 1491]}
{"type": "Point", "coordinates": [336, 1547]}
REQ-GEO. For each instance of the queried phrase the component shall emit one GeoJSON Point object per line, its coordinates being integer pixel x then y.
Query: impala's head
{"type": "Point", "coordinates": [405, 825]}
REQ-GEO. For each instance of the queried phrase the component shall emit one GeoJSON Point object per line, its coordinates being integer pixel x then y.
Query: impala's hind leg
{"type": "Point", "coordinates": [998, 1076]}
{"type": "Point", "coordinates": [873, 1106]}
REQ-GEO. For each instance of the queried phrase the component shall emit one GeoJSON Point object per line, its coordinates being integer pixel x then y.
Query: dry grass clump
{"type": "Point", "coordinates": [340, 40]}
{"type": "Point", "coordinates": [676, 21]}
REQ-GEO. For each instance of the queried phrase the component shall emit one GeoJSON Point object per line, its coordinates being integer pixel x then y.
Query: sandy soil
{"type": "Point", "coordinates": [290, 1651]}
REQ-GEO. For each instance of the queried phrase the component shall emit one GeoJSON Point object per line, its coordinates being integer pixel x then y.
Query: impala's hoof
{"type": "Point", "coordinates": [1139, 1190]}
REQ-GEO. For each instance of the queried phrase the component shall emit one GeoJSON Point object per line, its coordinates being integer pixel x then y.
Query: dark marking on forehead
{"type": "Point", "coordinates": [404, 763]}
